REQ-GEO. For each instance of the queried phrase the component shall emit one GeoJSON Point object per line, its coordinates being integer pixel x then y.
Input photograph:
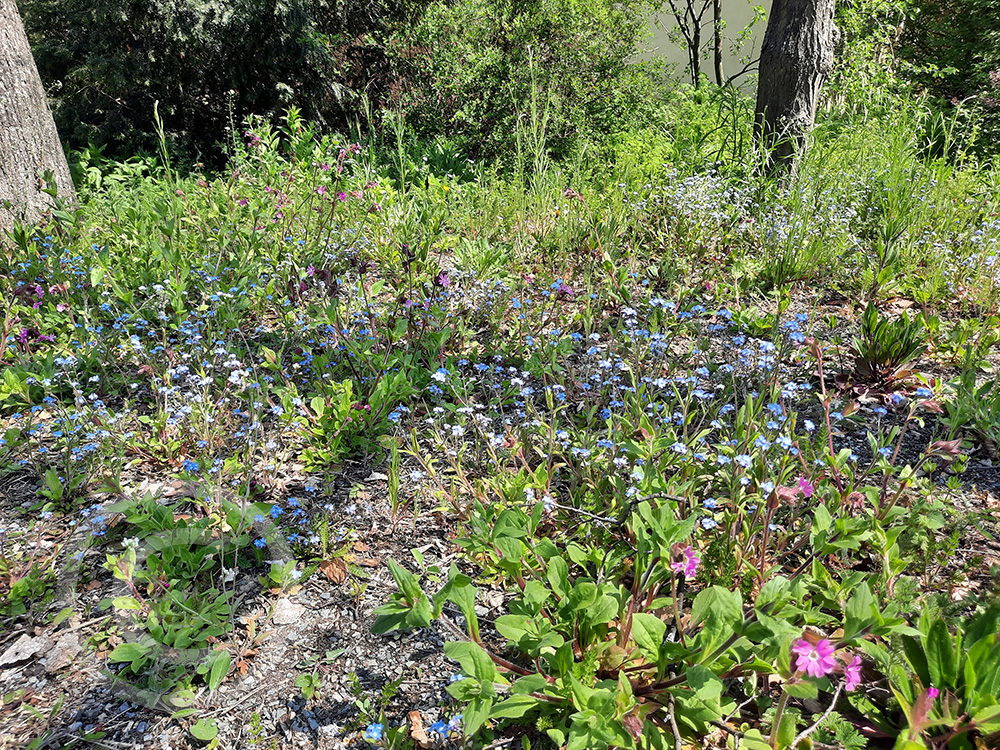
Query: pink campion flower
{"type": "Point", "coordinates": [852, 674]}
{"type": "Point", "coordinates": [815, 661]}
{"type": "Point", "coordinates": [342, 196]}
{"type": "Point", "coordinates": [689, 565]}
{"type": "Point", "coordinates": [806, 487]}
{"type": "Point", "coordinates": [933, 692]}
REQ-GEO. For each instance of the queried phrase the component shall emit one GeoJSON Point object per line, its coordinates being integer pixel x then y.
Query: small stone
{"type": "Point", "coordinates": [23, 649]}
{"type": "Point", "coordinates": [286, 612]}
{"type": "Point", "coordinates": [63, 653]}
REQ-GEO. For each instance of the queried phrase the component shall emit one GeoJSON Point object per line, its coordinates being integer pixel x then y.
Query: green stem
{"type": "Point", "coordinates": [782, 702]}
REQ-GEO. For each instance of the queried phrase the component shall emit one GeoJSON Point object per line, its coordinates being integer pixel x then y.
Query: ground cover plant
{"type": "Point", "coordinates": [688, 457]}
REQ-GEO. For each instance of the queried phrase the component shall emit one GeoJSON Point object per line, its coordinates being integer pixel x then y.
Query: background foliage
{"type": "Point", "coordinates": [208, 63]}
{"type": "Point", "coordinates": [482, 59]}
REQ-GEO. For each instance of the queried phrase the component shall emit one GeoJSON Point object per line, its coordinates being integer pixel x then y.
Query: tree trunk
{"type": "Point", "coordinates": [717, 26]}
{"type": "Point", "coordinates": [29, 143]}
{"type": "Point", "coordinates": [795, 57]}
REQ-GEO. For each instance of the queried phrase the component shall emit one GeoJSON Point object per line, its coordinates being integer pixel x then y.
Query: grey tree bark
{"type": "Point", "coordinates": [795, 57]}
{"type": "Point", "coordinates": [29, 143]}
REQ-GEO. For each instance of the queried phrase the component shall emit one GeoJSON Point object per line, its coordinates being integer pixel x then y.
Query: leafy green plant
{"type": "Point", "coordinates": [308, 684]}
{"type": "Point", "coordinates": [884, 349]}
{"type": "Point", "coordinates": [974, 409]}
{"type": "Point", "coordinates": [955, 696]}
{"type": "Point", "coordinates": [607, 657]}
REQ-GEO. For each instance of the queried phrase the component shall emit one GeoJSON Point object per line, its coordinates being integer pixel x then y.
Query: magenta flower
{"type": "Point", "coordinates": [852, 674]}
{"type": "Point", "coordinates": [932, 692]}
{"type": "Point", "coordinates": [689, 565]}
{"type": "Point", "coordinates": [806, 487]}
{"type": "Point", "coordinates": [815, 661]}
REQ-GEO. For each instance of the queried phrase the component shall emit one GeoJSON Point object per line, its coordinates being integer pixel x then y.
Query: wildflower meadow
{"type": "Point", "coordinates": [644, 449]}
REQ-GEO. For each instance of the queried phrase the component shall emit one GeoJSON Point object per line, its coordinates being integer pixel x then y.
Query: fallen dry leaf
{"type": "Point", "coordinates": [334, 570]}
{"type": "Point", "coordinates": [417, 731]}
{"type": "Point", "coordinates": [367, 562]}
{"type": "Point", "coordinates": [360, 547]}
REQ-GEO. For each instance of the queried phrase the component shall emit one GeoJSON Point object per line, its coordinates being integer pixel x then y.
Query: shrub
{"type": "Point", "coordinates": [208, 64]}
{"type": "Point", "coordinates": [474, 67]}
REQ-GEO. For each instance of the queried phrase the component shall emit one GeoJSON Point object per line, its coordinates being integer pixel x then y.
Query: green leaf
{"type": "Point", "coordinates": [476, 712]}
{"type": "Point", "coordinates": [126, 602]}
{"type": "Point", "coordinates": [916, 658]}
{"type": "Point", "coordinates": [603, 610]}
{"type": "Point", "coordinates": [405, 580]}
{"type": "Point", "coordinates": [54, 485]}
{"type": "Point", "coordinates": [706, 685]}
{"type": "Point", "coordinates": [648, 632]}
{"type": "Point", "coordinates": [220, 668]}
{"type": "Point", "coordinates": [532, 683]}
{"type": "Point", "coordinates": [514, 707]}
{"type": "Point", "coordinates": [582, 596]}
{"type": "Point", "coordinates": [722, 612]}
{"type": "Point", "coordinates": [129, 652]}
{"type": "Point", "coordinates": [861, 612]}
{"type": "Point", "coordinates": [386, 623]}
{"type": "Point", "coordinates": [802, 689]}
{"type": "Point", "coordinates": [473, 660]}
{"type": "Point", "coordinates": [822, 519]}
{"type": "Point", "coordinates": [752, 739]}
{"type": "Point", "coordinates": [204, 730]}
{"type": "Point", "coordinates": [512, 627]}
{"type": "Point", "coordinates": [942, 664]}
{"type": "Point", "coordinates": [558, 576]}
{"type": "Point", "coordinates": [787, 729]}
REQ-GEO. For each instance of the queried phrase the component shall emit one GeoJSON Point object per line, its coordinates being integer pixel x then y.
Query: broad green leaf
{"type": "Point", "coordinates": [220, 668]}
{"type": "Point", "coordinates": [821, 519]}
{"type": "Point", "coordinates": [129, 652]}
{"type": "Point", "coordinates": [942, 665]}
{"type": "Point", "coordinates": [514, 707]}
{"type": "Point", "coordinates": [648, 632]}
{"type": "Point", "coordinates": [706, 685]}
{"type": "Point", "coordinates": [473, 660]}
{"type": "Point", "coordinates": [532, 683]}
{"type": "Point", "coordinates": [558, 576]}
{"type": "Point", "coordinates": [582, 596]}
{"type": "Point", "coordinates": [752, 739]}
{"type": "Point", "coordinates": [476, 712]}
{"type": "Point", "coordinates": [721, 611]}
{"type": "Point", "coordinates": [802, 689]}
{"type": "Point", "coordinates": [126, 602]}
{"type": "Point", "coordinates": [861, 612]}
{"type": "Point", "coordinates": [204, 730]}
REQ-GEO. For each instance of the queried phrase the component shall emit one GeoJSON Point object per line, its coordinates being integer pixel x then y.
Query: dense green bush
{"type": "Point", "coordinates": [951, 50]}
{"type": "Point", "coordinates": [208, 63]}
{"type": "Point", "coordinates": [475, 66]}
